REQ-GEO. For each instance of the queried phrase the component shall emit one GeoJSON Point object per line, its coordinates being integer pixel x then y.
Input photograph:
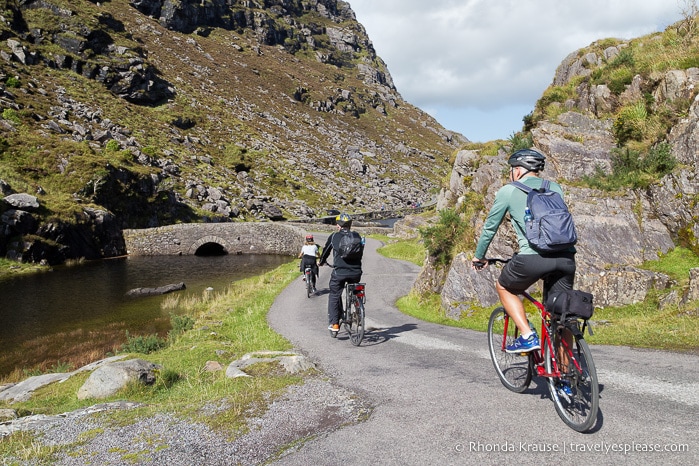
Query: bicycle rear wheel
{"type": "Point", "coordinates": [579, 409]}
{"type": "Point", "coordinates": [514, 370]}
{"type": "Point", "coordinates": [355, 323]}
{"type": "Point", "coordinates": [309, 283]}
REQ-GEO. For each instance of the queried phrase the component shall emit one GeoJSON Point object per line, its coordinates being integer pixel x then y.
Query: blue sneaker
{"type": "Point", "coordinates": [520, 345]}
{"type": "Point", "coordinates": [564, 390]}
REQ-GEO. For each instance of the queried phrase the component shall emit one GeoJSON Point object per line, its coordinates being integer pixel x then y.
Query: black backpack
{"type": "Point", "coordinates": [351, 246]}
{"type": "Point", "coordinates": [551, 227]}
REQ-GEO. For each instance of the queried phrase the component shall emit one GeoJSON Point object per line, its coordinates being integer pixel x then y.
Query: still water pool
{"type": "Point", "coordinates": [52, 318]}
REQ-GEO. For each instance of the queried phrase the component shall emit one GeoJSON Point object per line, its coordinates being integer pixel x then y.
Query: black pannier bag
{"type": "Point", "coordinates": [572, 302]}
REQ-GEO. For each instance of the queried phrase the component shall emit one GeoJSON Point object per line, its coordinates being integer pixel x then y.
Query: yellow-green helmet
{"type": "Point", "coordinates": [343, 220]}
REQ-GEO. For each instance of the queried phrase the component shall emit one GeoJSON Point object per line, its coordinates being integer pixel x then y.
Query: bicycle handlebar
{"type": "Point", "coordinates": [478, 265]}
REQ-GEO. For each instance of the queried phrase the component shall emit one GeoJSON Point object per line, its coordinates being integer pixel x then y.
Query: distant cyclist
{"type": "Point", "coordinates": [310, 252]}
{"type": "Point", "coordinates": [344, 271]}
{"type": "Point", "coordinates": [527, 266]}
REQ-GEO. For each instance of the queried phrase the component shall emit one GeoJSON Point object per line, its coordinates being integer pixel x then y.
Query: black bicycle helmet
{"type": "Point", "coordinates": [343, 220]}
{"type": "Point", "coordinates": [530, 159]}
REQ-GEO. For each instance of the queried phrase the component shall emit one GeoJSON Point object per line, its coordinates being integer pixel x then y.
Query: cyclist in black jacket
{"type": "Point", "coordinates": [344, 271]}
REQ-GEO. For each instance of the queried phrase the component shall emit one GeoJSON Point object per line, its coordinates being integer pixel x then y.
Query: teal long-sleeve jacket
{"type": "Point", "coordinates": [512, 200]}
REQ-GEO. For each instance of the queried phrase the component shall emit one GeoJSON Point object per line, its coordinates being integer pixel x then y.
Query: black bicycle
{"type": "Point", "coordinates": [310, 281]}
{"type": "Point", "coordinates": [353, 317]}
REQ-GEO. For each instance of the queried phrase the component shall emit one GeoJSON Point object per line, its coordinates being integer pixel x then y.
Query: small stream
{"type": "Point", "coordinates": [75, 312]}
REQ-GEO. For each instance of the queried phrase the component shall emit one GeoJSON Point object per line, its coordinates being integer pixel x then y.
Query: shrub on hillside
{"type": "Point", "coordinates": [441, 238]}
{"type": "Point", "coordinates": [635, 169]}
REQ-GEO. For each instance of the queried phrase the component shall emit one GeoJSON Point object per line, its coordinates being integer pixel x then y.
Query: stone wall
{"type": "Point", "coordinates": [235, 238]}
{"type": "Point", "coordinates": [359, 228]}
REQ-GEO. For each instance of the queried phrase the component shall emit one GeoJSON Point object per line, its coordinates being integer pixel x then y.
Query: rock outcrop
{"type": "Point", "coordinates": [23, 390]}
{"type": "Point", "coordinates": [617, 232]}
{"type": "Point", "coordinates": [94, 235]}
{"type": "Point", "coordinates": [606, 264]}
{"type": "Point", "coordinates": [290, 362]}
{"type": "Point", "coordinates": [155, 291]}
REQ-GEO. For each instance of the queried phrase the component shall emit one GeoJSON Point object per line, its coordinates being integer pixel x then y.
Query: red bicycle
{"type": "Point", "coordinates": [564, 360]}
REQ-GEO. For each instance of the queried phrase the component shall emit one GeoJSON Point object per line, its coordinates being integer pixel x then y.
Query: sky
{"type": "Point", "coordinates": [479, 66]}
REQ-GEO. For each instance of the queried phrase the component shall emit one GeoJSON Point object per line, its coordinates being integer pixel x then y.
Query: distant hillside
{"type": "Point", "coordinates": [135, 114]}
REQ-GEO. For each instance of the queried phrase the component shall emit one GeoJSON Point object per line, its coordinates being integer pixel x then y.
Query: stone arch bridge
{"type": "Point", "coordinates": [227, 238]}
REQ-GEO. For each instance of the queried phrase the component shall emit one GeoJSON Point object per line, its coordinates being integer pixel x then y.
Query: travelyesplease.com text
{"type": "Point", "coordinates": [571, 447]}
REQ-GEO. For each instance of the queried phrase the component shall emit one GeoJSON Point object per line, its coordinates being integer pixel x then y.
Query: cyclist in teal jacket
{"type": "Point", "coordinates": [527, 266]}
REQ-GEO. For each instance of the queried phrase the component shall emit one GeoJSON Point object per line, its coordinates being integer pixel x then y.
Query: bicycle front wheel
{"type": "Point", "coordinates": [514, 370]}
{"type": "Point", "coordinates": [577, 408]}
{"type": "Point", "coordinates": [355, 323]}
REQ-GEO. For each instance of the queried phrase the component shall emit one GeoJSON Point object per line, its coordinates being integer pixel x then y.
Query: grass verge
{"type": "Point", "coordinates": [411, 250]}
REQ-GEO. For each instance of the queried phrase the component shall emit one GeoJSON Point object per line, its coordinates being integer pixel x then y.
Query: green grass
{"type": "Point", "coordinates": [9, 268]}
{"type": "Point", "coordinates": [411, 250]}
{"type": "Point", "coordinates": [24, 447]}
{"type": "Point", "coordinates": [644, 325]}
{"type": "Point", "coordinates": [676, 264]}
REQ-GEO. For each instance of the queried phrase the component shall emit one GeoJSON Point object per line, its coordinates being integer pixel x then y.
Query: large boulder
{"type": "Point", "coordinates": [107, 380]}
{"type": "Point", "coordinates": [19, 221]}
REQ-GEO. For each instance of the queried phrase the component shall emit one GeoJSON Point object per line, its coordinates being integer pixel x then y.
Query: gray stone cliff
{"type": "Point", "coordinates": [616, 232]}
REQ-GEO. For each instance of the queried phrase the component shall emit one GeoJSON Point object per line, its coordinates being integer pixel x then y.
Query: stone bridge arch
{"type": "Point", "coordinates": [209, 239]}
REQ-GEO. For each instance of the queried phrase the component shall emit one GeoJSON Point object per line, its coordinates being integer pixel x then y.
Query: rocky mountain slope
{"type": "Point", "coordinates": [590, 123]}
{"type": "Point", "coordinates": [147, 112]}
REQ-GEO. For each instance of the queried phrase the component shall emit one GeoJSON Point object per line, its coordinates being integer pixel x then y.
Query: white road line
{"type": "Point", "coordinates": [417, 340]}
{"type": "Point", "coordinates": [685, 393]}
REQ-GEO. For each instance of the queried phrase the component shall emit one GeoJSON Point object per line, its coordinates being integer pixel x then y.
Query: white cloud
{"type": "Point", "coordinates": [481, 57]}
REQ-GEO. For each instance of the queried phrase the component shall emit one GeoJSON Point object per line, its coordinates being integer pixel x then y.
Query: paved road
{"type": "Point", "coordinates": [438, 400]}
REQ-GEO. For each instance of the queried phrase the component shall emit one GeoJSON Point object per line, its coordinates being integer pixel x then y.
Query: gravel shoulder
{"type": "Point", "coordinates": [303, 412]}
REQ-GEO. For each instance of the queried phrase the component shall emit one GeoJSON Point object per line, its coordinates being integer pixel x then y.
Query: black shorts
{"type": "Point", "coordinates": [523, 270]}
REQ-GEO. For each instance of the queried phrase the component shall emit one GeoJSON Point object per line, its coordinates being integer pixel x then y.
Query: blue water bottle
{"type": "Point", "coordinates": [528, 217]}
